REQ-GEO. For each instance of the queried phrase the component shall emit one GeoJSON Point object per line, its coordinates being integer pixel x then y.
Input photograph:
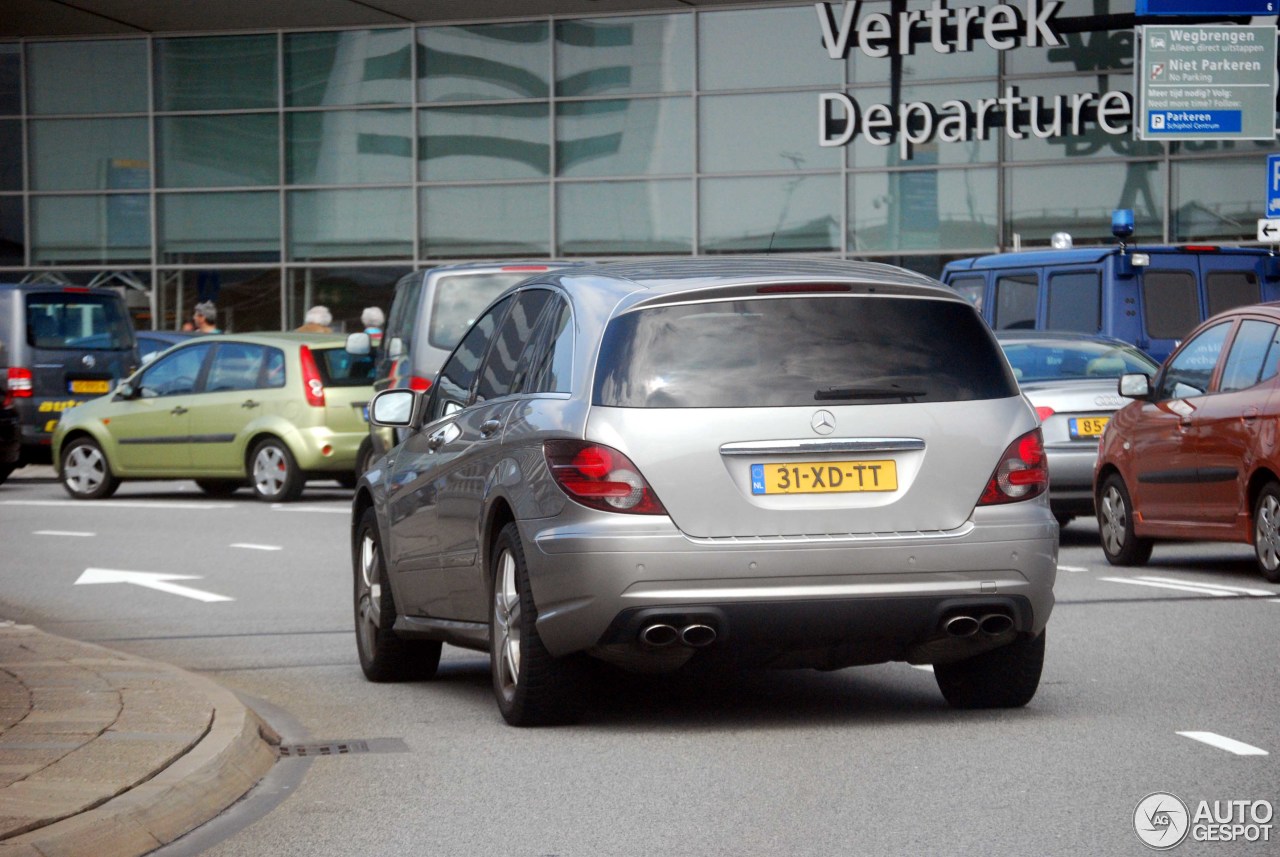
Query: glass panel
{"type": "Point", "coordinates": [1215, 200]}
{"type": "Point", "coordinates": [12, 241]}
{"type": "Point", "coordinates": [218, 151]}
{"type": "Point", "coordinates": [484, 61]}
{"type": "Point", "coordinates": [349, 147]}
{"type": "Point", "coordinates": [623, 218]}
{"type": "Point", "coordinates": [246, 300]}
{"type": "Point", "coordinates": [349, 67]}
{"type": "Point", "coordinates": [1016, 300]}
{"type": "Point", "coordinates": [89, 154]}
{"type": "Point", "coordinates": [1247, 360]}
{"type": "Point", "coordinates": [1189, 373]}
{"type": "Point", "coordinates": [1051, 105]}
{"type": "Point", "coordinates": [924, 209]}
{"type": "Point", "coordinates": [1172, 305]}
{"type": "Point", "coordinates": [1226, 290]}
{"type": "Point", "coordinates": [1091, 51]}
{"type": "Point", "coordinates": [500, 141]}
{"type": "Point", "coordinates": [498, 376]}
{"type": "Point", "coordinates": [764, 47]}
{"type": "Point", "coordinates": [452, 389]}
{"type": "Point", "coordinates": [778, 214]}
{"type": "Point", "coordinates": [616, 138]}
{"type": "Point", "coordinates": [10, 79]}
{"type": "Point", "coordinates": [100, 228]}
{"type": "Point", "coordinates": [923, 63]}
{"type": "Point", "coordinates": [972, 289]}
{"type": "Point", "coordinates": [10, 154]}
{"type": "Point", "coordinates": [762, 132]}
{"type": "Point", "coordinates": [486, 220]}
{"type": "Point", "coordinates": [210, 227]}
{"type": "Point", "coordinates": [652, 53]}
{"type": "Point", "coordinates": [942, 149]}
{"type": "Point", "coordinates": [174, 374]}
{"type": "Point", "coordinates": [235, 366]}
{"type": "Point", "coordinates": [1079, 199]}
{"type": "Point", "coordinates": [351, 224]}
{"type": "Point", "coordinates": [94, 322]}
{"type": "Point", "coordinates": [87, 77]}
{"type": "Point", "coordinates": [218, 73]}
{"type": "Point", "coordinates": [1075, 301]}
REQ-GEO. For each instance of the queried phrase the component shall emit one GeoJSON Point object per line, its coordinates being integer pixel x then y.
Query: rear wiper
{"type": "Point", "coordinates": [865, 392]}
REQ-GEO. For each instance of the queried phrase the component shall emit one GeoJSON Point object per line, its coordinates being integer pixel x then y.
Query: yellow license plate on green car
{"type": "Point", "coordinates": [1088, 427]}
{"type": "Point", "coordinates": [825, 477]}
{"type": "Point", "coordinates": [90, 387]}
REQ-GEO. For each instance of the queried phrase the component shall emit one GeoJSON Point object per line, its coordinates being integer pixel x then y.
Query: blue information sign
{"type": "Point", "coordinates": [1273, 185]}
{"type": "Point", "coordinates": [1208, 7]}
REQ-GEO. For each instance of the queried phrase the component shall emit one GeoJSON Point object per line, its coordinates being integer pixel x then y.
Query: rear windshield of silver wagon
{"type": "Point", "coordinates": [81, 322]}
{"type": "Point", "coordinates": [798, 351]}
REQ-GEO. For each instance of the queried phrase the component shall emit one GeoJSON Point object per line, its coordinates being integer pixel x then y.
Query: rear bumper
{"type": "Point", "coordinates": [309, 444]}
{"type": "Point", "coordinates": [1071, 478]}
{"type": "Point", "coordinates": [885, 595]}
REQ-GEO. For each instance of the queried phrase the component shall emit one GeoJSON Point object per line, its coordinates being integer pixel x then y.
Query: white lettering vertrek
{"type": "Point", "coordinates": [880, 35]}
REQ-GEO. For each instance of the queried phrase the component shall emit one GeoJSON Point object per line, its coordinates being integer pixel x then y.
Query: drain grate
{"type": "Point", "coordinates": [343, 748]}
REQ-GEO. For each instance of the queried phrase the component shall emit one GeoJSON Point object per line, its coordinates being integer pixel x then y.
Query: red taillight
{"type": "Point", "coordinates": [417, 382]}
{"type": "Point", "coordinates": [1044, 412]}
{"type": "Point", "coordinates": [311, 383]}
{"type": "Point", "coordinates": [20, 383]}
{"type": "Point", "coordinates": [600, 477]}
{"type": "Point", "coordinates": [1023, 472]}
{"type": "Point", "coordinates": [1201, 248]}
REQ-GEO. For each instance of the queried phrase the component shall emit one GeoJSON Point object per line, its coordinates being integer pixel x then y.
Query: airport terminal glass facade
{"type": "Point", "coordinates": [274, 170]}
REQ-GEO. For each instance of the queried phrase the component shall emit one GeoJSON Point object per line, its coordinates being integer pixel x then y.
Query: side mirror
{"type": "Point", "coordinates": [1135, 385]}
{"type": "Point", "coordinates": [359, 344]}
{"type": "Point", "coordinates": [125, 391]}
{"type": "Point", "coordinates": [395, 348]}
{"type": "Point", "coordinates": [393, 408]}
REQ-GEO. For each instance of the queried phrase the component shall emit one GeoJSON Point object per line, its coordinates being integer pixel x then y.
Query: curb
{"type": "Point", "coordinates": [221, 767]}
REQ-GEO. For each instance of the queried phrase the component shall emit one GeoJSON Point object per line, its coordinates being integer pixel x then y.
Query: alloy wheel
{"type": "Point", "coordinates": [1114, 518]}
{"type": "Point", "coordinates": [270, 470]}
{"type": "Point", "coordinates": [369, 597]}
{"type": "Point", "coordinates": [85, 469]}
{"type": "Point", "coordinates": [1267, 532]}
{"type": "Point", "coordinates": [506, 615]}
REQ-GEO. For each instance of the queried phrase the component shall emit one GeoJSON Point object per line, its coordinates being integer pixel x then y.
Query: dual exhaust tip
{"type": "Point", "coordinates": [990, 624]}
{"type": "Point", "coordinates": [660, 635]}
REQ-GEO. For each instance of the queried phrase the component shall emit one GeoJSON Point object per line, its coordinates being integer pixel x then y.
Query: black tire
{"type": "Point", "coordinates": [346, 480]}
{"type": "Point", "coordinates": [219, 487]}
{"type": "Point", "coordinates": [1006, 677]}
{"type": "Point", "coordinates": [532, 687]}
{"type": "Point", "coordinates": [1063, 518]}
{"type": "Point", "coordinates": [5, 470]}
{"type": "Point", "coordinates": [85, 472]}
{"type": "Point", "coordinates": [274, 473]}
{"type": "Point", "coordinates": [364, 458]}
{"type": "Point", "coordinates": [1115, 525]}
{"type": "Point", "coordinates": [1266, 531]}
{"type": "Point", "coordinates": [384, 656]}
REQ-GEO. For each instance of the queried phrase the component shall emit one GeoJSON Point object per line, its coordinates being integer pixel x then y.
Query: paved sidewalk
{"type": "Point", "coordinates": [107, 754]}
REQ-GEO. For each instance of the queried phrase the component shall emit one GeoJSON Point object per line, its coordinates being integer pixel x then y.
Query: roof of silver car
{"type": "Point", "coordinates": [689, 273]}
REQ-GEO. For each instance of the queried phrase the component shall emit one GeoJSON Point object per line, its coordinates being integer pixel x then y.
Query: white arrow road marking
{"type": "Point", "coordinates": [151, 580]}
{"type": "Point", "coordinates": [1231, 745]}
{"type": "Point", "coordinates": [1199, 590]}
{"type": "Point", "coordinates": [63, 533]}
{"type": "Point", "coordinates": [247, 546]}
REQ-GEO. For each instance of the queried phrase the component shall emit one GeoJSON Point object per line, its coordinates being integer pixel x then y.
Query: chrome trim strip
{"type": "Point", "coordinates": [819, 539]}
{"type": "Point", "coordinates": [815, 447]}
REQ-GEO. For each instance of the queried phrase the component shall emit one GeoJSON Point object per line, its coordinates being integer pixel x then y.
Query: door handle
{"type": "Point", "coordinates": [1250, 413]}
{"type": "Point", "coordinates": [178, 411]}
{"type": "Point", "coordinates": [489, 427]}
{"type": "Point", "coordinates": [249, 403]}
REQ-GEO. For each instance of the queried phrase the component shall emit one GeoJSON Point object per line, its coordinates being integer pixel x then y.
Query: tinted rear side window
{"type": "Point", "coordinates": [1230, 289]}
{"type": "Point", "coordinates": [1075, 301]}
{"type": "Point", "coordinates": [81, 322]}
{"type": "Point", "coordinates": [1172, 306]}
{"type": "Point", "coordinates": [800, 351]}
{"type": "Point", "coordinates": [338, 368]}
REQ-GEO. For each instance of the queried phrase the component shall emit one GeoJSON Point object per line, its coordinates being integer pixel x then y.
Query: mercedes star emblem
{"type": "Point", "coordinates": [823, 422]}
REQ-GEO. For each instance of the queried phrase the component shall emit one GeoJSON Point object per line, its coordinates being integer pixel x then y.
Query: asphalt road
{"type": "Point", "coordinates": [861, 761]}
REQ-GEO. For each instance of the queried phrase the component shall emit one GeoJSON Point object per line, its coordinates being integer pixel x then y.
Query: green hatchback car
{"type": "Point", "coordinates": [268, 410]}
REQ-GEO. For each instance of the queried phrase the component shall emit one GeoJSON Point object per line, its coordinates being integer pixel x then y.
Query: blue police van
{"type": "Point", "coordinates": [1148, 295]}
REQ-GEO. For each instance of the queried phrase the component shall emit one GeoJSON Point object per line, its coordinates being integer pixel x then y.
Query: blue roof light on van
{"type": "Point", "coordinates": [1122, 223]}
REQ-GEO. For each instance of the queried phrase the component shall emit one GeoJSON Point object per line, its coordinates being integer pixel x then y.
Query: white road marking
{"type": "Point", "coordinates": [121, 504]}
{"type": "Point", "coordinates": [1179, 587]}
{"type": "Point", "coordinates": [1231, 745]}
{"type": "Point", "coordinates": [258, 547]}
{"type": "Point", "coordinates": [1234, 590]}
{"type": "Point", "coordinates": [1076, 568]}
{"type": "Point", "coordinates": [151, 580]}
{"type": "Point", "coordinates": [289, 507]}
{"type": "Point", "coordinates": [63, 533]}
{"type": "Point", "coordinates": [926, 667]}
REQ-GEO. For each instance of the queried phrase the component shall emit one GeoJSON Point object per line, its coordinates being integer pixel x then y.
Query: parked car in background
{"type": "Point", "coordinates": [772, 462]}
{"type": "Point", "coordinates": [65, 345]}
{"type": "Point", "coordinates": [1070, 379]}
{"type": "Point", "coordinates": [152, 342]}
{"type": "Point", "coordinates": [1195, 455]}
{"type": "Point", "coordinates": [430, 311]}
{"type": "Point", "coordinates": [267, 410]}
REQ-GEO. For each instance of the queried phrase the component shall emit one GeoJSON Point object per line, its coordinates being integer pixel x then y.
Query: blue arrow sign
{"type": "Point", "coordinates": [1273, 185]}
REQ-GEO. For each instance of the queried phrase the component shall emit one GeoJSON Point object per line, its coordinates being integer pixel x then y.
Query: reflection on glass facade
{"type": "Point", "coordinates": [289, 154]}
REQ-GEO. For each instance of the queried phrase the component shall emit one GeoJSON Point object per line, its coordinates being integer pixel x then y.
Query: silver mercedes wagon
{"type": "Point", "coordinates": [738, 462]}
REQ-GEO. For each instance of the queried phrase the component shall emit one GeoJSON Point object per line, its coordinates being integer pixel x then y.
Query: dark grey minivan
{"type": "Point", "coordinates": [66, 345]}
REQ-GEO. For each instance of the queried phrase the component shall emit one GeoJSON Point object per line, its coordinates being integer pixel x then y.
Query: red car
{"type": "Point", "coordinates": [1197, 456]}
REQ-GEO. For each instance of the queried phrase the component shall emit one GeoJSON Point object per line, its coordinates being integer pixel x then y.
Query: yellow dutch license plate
{"type": "Point", "coordinates": [91, 387]}
{"type": "Point", "coordinates": [826, 477]}
{"type": "Point", "coordinates": [1083, 427]}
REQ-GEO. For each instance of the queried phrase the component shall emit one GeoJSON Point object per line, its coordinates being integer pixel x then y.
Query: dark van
{"type": "Point", "coordinates": [65, 345]}
{"type": "Point", "coordinates": [1150, 296]}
